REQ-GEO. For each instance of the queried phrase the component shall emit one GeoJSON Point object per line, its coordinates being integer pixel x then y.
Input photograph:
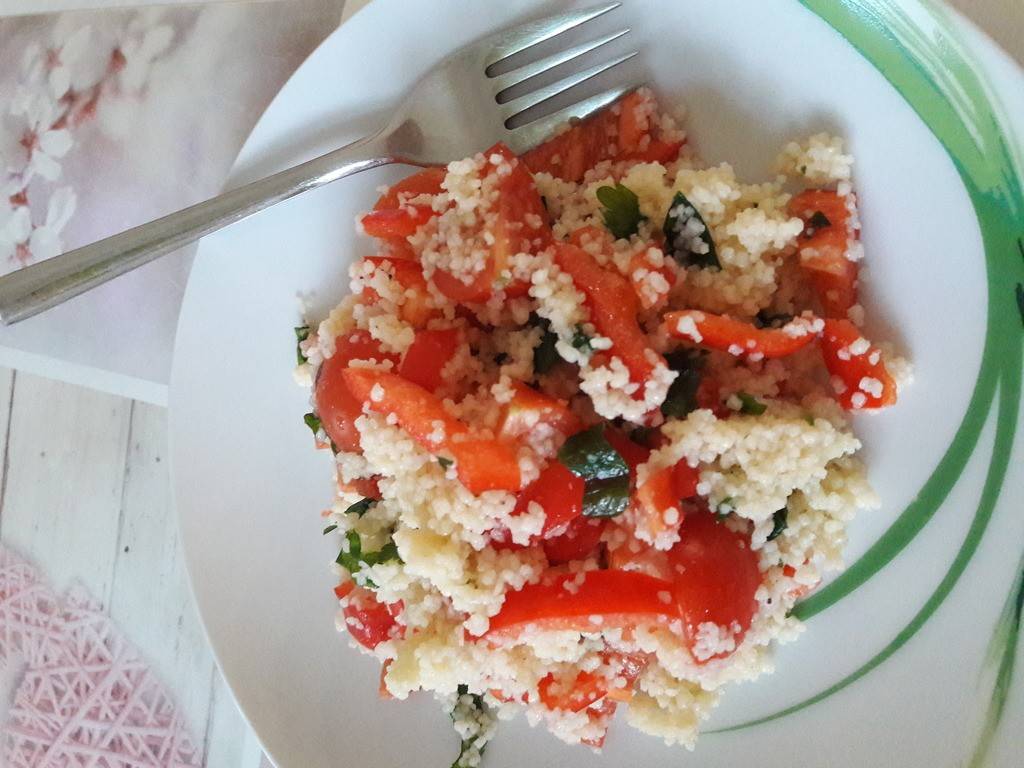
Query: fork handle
{"type": "Point", "coordinates": [38, 287]}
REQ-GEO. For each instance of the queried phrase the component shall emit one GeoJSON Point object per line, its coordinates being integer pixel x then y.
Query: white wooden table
{"type": "Point", "coordinates": [85, 493]}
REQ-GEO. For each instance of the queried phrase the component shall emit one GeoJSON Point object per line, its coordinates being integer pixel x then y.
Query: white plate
{"type": "Point", "coordinates": [248, 485]}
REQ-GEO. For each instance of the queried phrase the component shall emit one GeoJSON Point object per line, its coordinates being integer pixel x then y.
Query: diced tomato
{"type": "Point", "coordinates": [426, 182]}
{"type": "Point", "coordinates": [585, 687]}
{"type": "Point", "coordinates": [342, 590]}
{"type": "Point", "coordinates": [613, 310]}
{"type": "Point", "coordinates": [856, 367]}
{"type": "Point", "coordinates": [657, 151]}
{"type": "Point", "coordinates": [823, 249]}
{"type": "Point", "coordinates": [634, 454]}
{"type": "Point", "coordinates": [482, 465]}
{"type": "Point", "coordinates": [416, 306]}
{"type": "Point", "coordinates": [520, 225]}
{"type": "Point", "coordinates": [739, 338]}
{"type": "Point", "coordinates": [559, 492]}
{"type": "Point", "coordinates": [685, 478]}
{"type": "Point", "coordinates": [635, 555]}
{"type": "Point", "coordinates": [649, 292]}
{"type": "Point", "coordinates": [715, 577]}
{"type": "Point", "coordinates": [367, 487]}
{"type": "Point", "coordinates": [580, 540]}
{"type": "Point", "coordinates": [589, 237]}
{"type": "Point", "coordinates": [427, 356]}
{"type": "Point", "coordinates": [600, 715]}
{"type": "Point", "coordinates": [396, 222]}
{"type": "Point", "coordinates": [620, 598]}
{"type": "Point", "coordinates": [529, 409]}
{"type": "Point", "coordinates": [337, 408]}
{"type": "Point", "coordinates": [658, 507]}
{"type": "Point", "coordinates": [369, 621]}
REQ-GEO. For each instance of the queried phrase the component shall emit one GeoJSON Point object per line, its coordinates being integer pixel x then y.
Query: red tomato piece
{"type": "Point", "coordinates": [715, 577]}
{"type": "Point", "coordinates": [739, 338]}
{"type": "Point", "coordinates": [636, 555]}
{"type": "Point", "coordinates": [600, 715]}
{"type": "Point", "coordinates": [529, 409]}
{"type": "Point", "coordinates": [416, 307]}
{"type": "Point", "coordinates": [396, 222]}
{"type": "Point", "coordinates": [369, 621]}
{"type": "Point", "coordinates": [859, 374]}
{"type": "Point", "coordinates": [685, 478]}
{"type": "Point", "coordinates": [559, 492]}
{"type": "Point", "coordinates": [620, 598]}
{"type": "Point", "coordinates": [657, 151]}
{"type": "Point", "coordinates": [426, 182]}
{"type": "Point", "coordinates": [337, 408]}
{"type": "Point", "coordinates": [482, 465]}
{"type": "Point", "coordinates": [649, 293]}
{"type": "Point", "coordinates": [580, 540]}
{"type": "Point", "coordinates": [658, 505]}
{"type": "Point", "coordinates": [344, 588]}
{"type": "Point", "coordinates": [613, 310]}
{"type": "Point", "coordinates": [585, 687]}
{"type": "Point", "coordinates": [367, 487]}
{"type": "Point", "coordinates": [634, 454]}
{"type": "Point", "coordinates": [427, 356]}
{"type": "Point", "coordinates": [823, 249]}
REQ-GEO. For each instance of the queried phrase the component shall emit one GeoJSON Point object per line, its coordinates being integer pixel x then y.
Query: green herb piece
{"type": "Point", "coordinates": [301, 334]}
{"type": "Point", "coordinates": [819, 221]}
{"type": "Point", "coordinates": [809, 418]}
{"type": "Point", "coordinates": [1020, 300]}
{"type": "Point", "coordinates": [779, 523]}
{"type": "Point", "coordinates": [589, 455]}
{"type": "Point", "coordinates": [681, 397]}
{"type": "Point", "coordinates": [580, 340]}
{"type": "Point", "coordinates": [750, 404]}
{"type": "Point", "coordinates": [765, 319]}
{"type": "Point", "coordinates": [361, 507]}
{"type": "Point", "coordinates": [445, 463]}
{"type": "Point", "coordinates": [687, 237]}
{"type": "Point", "coordinates": [605, 473]}
{"type": "Point", "coordinates": [330, 528]}
{"type": "Point", "coordinates": [354, 560]}
{"type": "Point", "coordinates": [621, 211]}
{"type": "Point", "coordinates": [545, 355]}
{"type": "Point", "coordinates": [474, 723]}
{"type": "Point", "coordinates": [313, 422]}
{"type": "Point", "coordinates": [606, 498]}
{"type": "Point", "coordinates": [724, 508]}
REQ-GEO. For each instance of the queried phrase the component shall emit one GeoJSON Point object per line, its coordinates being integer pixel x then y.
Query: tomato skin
{"type": "Point", "coordinates": [559, 492]}
{"type": "Point", "coordinates": [632, 453]}
{"type": "Point", "coordinates": [335, 405]}
{"type": "Point", "coordinates": [715, 577]}
{"type": "Point", "coordinates": [589, 687]}
{"type": "Point", "coordinates": [367, 487]}
{"type": "Point", "coordinates": [613, 309]}
{"type": "Point", "coordinates": [823, 254]}
{"type": "Point", "coordinates": [482, 465]}
{"type": "Point", "coordinates": [580, 540]}
{"type": "Point", "coordinates": [396, 222]}
{"type": "Point", "coordinates": [416, 307]}
{"type": "Point", "coordinates": [528, 408]}
{"type": "Point", "coordinates": [427, 356]}
{"type": "Point", "coordinates": [685, 479]}
{"type": "Point", "coordinates": [726, 334]}
{"type": "Point", "coordinates": [426, 182]}
{"type": "Point", "coordinates": [369, 621]}
{"type": "Point", "coordinates": [342, 590]}
{"type": "Point", "coordinates": [835, 346]}
{"type": "Point", "coordinates": [621, 598]}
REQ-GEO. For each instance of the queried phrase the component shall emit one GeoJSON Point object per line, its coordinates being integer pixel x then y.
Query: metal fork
{"type": "Point", "coordinates": [455, 109]}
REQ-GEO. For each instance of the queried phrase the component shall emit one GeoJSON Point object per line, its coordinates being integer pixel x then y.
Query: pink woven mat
{"type": "Point", "coordinates": [82, 696]}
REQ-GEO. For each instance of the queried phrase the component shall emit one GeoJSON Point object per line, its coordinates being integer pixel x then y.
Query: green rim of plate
{"type": "Point", "coordinates": [915, 45]}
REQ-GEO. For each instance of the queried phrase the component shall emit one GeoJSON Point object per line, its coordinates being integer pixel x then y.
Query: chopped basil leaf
{"type": "Point", "coordinates": [355, 559]}
{"type": "Point", "coordinates": [301, 334]}
{"type": "Point", "coordinates": [750, 404]}
{"type": "Point", "coordinates": [621, 211]}
{"type": "Point", "coordinates": [330, 528]}
{"type": "Point", "coordinates": [681, 397]}
{"type": "Point", "coordinates": [361, 507]}
{"type": "Point", "coordinates": [445, 463]}
{"type": "Point", "coordinates": [580, 340]}
{"type": "Point", "coordinates": [606, 498]}
{"type": "Point", "coordinates": [474, 723]}
{"type": "Point", "coordinates": [819, 220]}
{"type": "Point", "coordinates": [724, 508]}
{"type": "Point", "coordinates": [765, 319]}
{"type": "Point", "coordinates": [779, 523]}
{"type": "Point", "coordinates": [545, 355]}
{"type": "Point", "coordinates": [687, 238]}
{"type": "Point", "coordinates": [605, 473]}
{"type": "Point", "coordinates": [589, 455]}
{"type": "Point", "coordinates": [313, 422]}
